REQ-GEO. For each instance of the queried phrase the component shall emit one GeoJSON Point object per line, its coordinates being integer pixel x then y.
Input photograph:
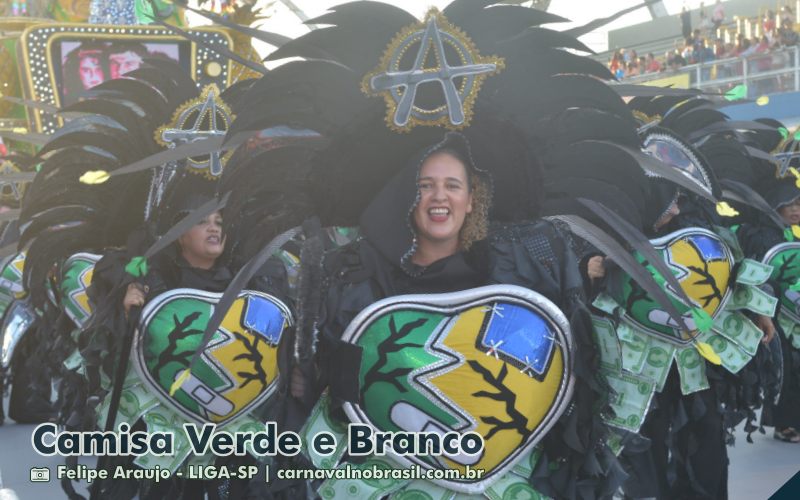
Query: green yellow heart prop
{"type": "Point", "coordinates": [494, 360]}
{"type": "Point", "coordinates": [11, 277]}
{"type": "Point", "coordinates": [703, 265]}
{"type": "Point", "coordinates": [77, 275]}
{"type": "Point", "coordinates": [238, 369]}
{"type": "Point", "coordinates": [785, 261]}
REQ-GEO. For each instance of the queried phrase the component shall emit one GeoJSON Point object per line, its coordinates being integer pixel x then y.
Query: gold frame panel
{"type": "Point", "coordinates": [103, 32]}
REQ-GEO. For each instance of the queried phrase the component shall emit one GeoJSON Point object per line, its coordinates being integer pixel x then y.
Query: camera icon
{"type": "Point", "coordinates": [40, 474]}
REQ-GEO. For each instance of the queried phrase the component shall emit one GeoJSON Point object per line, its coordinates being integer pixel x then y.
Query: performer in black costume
{"type": "Point", "coordinates": [689, 432]}
{"type": "Point", "coordinates": [757, 240]}
{"type": "Point", "coordinates": [69, 210]}
{"type": "Point", "coordinates": [425, 232]}
{"type": "Point", "coordinates": [533, 79]}
{"type": "Point", "coordinates": [508, 111]}
{"type": "Point", "coordinates": [763, 240]}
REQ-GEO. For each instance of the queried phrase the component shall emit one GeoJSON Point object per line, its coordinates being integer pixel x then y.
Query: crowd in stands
{"type": "Point", "coordinates": [702, 46]}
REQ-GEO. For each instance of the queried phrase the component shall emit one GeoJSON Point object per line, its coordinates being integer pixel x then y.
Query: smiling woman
{"type": "Point", "coordinates": [424, 233]}
{"type": "Point", "coordinates": [445, 200]}
{"type": "Point", "coordinates": [446, 191]}
{"type": "Point", "coordinates": [442, 218]}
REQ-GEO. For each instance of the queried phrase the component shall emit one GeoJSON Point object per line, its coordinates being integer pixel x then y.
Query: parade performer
{"type": "Point", "coordinates": [761, 241]}
{"type": "Point", "coordinates": [431, 75]}
{"type": "Point", "coordinates": [777, 183]}
{"type": "Point", "coordinates": [685, 411]}
{"type": "Point", "coordinates": [79, 203]}
{"type": "Point", "coordinates": [29, 399]}
{"type": "Point", "coordinates": [184, 282]}
{"type": "Point", "coordinates": [70, 222]}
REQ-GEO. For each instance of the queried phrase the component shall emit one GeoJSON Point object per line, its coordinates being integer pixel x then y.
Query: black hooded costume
{"type": "Point", "coordinates": [758, 238]}
{"type": "Point", "coordinates": [124, 218]}
{"type": "Point", "coordinates": [533, 255]}
{"type": "Point", "coordinates": [689, 429]}
{"type": "Point", "coordinates": [379, 265]}
{"type": "Point", "coordinates": [377, 84]}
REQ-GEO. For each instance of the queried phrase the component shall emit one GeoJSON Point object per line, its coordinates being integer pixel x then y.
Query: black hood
{"type": "Point", "coordinates": [781, 193]}
{"type": "Point", "coordinates": [386, 222]}
{"type": "Point", "coordinates": [662, 194]}
{"type": "Point", "coordinates": [187, 192]}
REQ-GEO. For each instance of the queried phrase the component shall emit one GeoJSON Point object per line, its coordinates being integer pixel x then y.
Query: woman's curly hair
{"type": "Point", "coordinates": [476, 223]}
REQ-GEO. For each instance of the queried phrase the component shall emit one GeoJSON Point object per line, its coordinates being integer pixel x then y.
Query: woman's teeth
{"type": "Point", "coordinates": [439, 211]}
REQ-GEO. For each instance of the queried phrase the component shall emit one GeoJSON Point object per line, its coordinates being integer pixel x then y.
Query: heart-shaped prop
{"type": "Point", "coordinates": [703, 265]}
{"type": "Point", "coordinates": [785, 262]}
{"type": "Point", "coordinates": [76, 277]}
{"type": "Point", "coordinates": [494, 360]}
{"type": "Point", "coordinates": [238, 369]}
{"type": "Point", "coordinates": [11, 277]}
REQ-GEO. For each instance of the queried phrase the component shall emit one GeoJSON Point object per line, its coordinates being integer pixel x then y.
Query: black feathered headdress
{"type": "Point", "coordinates": [77, 202]}
{"type": "Point", "coordinates": [377, 83]}
{"type": "Point", "coordinates": [730, 156]}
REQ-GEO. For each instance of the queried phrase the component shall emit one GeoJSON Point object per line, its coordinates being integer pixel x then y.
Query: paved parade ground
{"type": "Point", "coordinates": [757, 470]}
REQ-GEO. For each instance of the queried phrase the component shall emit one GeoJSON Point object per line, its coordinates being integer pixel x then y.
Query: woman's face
{"type": "Point", "coordinates": [91, 72]}
{"type": "Point", "coordinates": [791, 213]}
{"type": "Point", "coordinates": [445, 199]}
{"type": "Point", "coordinates": [123, 62]}
{"type": "Point", "coordinates": [203, 242]}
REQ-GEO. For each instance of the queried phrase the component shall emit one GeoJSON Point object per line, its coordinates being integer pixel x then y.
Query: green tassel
{"type": "Point", "coordinates": [784, 132]}
{"type": "Point", "coordinates": [137, 267]}
{"type": "Point", "coordinates": [797, 135]}
{"type": "Point", "coordinates": [702, 319]}
{"type": "Point", "coordinates": [737, 93]}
